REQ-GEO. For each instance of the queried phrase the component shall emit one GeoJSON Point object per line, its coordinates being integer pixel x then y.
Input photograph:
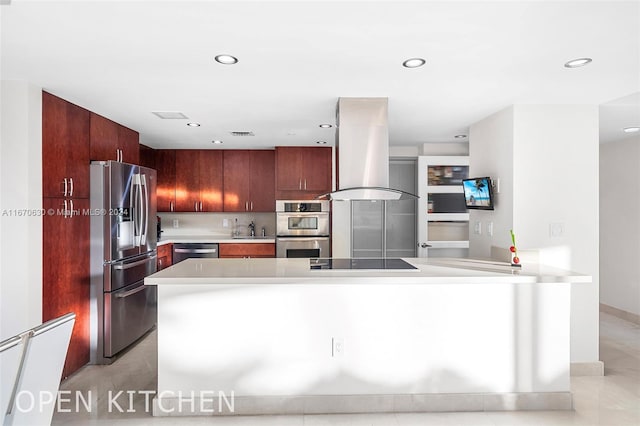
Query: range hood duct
{"type": "Point", "coordinates": [362, 145]}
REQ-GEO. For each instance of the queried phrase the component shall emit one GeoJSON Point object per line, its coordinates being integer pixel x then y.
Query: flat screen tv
{"type": "Point", "coordinates": [478, 193]}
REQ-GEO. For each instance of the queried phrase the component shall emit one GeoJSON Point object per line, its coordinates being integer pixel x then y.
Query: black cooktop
{"type": "Point", "coordinates": [360, 264]}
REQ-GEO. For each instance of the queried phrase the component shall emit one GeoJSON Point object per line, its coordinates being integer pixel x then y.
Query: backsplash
{"type": "Point", "coordinates": [214, 223]}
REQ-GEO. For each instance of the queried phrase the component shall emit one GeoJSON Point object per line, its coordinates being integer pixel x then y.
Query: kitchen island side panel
{"type": "Point", "coordinates": [279, 340]}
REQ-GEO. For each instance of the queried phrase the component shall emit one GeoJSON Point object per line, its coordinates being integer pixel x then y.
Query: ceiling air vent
{"type": "Point", "coordinates": [242, 134]}
{"type": "Point", "coordinates": [170, 115]}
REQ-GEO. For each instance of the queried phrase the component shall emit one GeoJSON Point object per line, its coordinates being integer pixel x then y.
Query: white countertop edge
{"type": "Point", "coordinates": [221, 272]}
{"type": "Point", "coordinates": [200, 239]}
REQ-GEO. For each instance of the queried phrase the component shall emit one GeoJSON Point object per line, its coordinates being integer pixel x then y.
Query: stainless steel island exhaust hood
{"type": "Point", "coordinates": [362, 145]}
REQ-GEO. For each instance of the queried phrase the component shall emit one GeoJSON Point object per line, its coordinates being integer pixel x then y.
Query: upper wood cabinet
{"type": "Point", "coordinates": [112, 141]}
{"type": "Point", "coordinates": [249, 180]}
{"type": "Point", "coordinates": [65, 148]}
{"type": "Point", "coordinates": [147, 157]}
{"type": "Point", "coordinates": [302, 172]}
{"type": "Point", "coordinates": [165, 165]}
{"type": "Point", "coordinates": [129, 143]}
{"type": "Point", "coordinates": [199, 182]}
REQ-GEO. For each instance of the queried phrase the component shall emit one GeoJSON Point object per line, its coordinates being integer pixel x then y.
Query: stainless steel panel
{"type": "Point", "coordinates": [126, 272]}
{"type": "Point", "coordinates": [120, 210]}
{"type": "Point", "coordinates": [367, 232]}
{"type": "Point", "coordinates": [129, 314]}
{"type": "Point", "coordinates": [363, 134]}
{"type": "Point", "coordinates": [184, 251]}
{"type": "Point", "coordinates": [301, 224]}
{"type": "Point", "coordinates": [300, 246]}
{"type": "Point", "coordinates": [304, 206]}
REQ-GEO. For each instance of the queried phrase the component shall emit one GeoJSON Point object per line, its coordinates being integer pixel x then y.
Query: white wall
{"type": "Point", "coordinates": [445, 148]}
{"type": "Point", "coordinates": [20, 189]}
{"type": "Point", "coordinates": [491, 154]}
{"type": "Point", "coordinates": [620, 224]}
{"type": "Point", "coordinates": [549, 179]}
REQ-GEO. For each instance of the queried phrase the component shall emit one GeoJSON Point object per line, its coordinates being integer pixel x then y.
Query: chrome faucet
{"type": "Point", "coordinates": [252, 229]}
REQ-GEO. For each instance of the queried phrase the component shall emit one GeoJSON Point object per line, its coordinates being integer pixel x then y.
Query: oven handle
{"type": "Point", "coordinates": [292, 239]}
{"type": "Point", "coordinates": [131, 292]}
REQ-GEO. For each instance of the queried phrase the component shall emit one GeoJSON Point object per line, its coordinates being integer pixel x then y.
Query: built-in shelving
{"type": "Point", "coordinates": [443, 220]}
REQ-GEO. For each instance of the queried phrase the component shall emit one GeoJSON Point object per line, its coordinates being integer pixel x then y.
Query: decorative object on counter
{"type": "Point", "coordinates": [515, 260]}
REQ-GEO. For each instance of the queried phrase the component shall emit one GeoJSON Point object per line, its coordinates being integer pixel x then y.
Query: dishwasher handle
{"type": "Point", "coordinates": [180, 250]}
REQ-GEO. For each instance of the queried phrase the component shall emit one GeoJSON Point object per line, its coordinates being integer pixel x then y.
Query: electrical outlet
{"type": "Point", "coordinates": [477, 228]}
{"type": "Point", "coordinates": [556, 230]}
{"type": "Point", "coordinates": [225, 223]}
{"type": "Point", "coordinates": [337, 347]}
{"type": "Point", "coordinates": [490, 229]}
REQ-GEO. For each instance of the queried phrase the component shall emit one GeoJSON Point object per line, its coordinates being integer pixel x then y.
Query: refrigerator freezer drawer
{"type": "Point", "coordinates": [127, 272]}
{"type": "Point", "coordinates": [129, 314]}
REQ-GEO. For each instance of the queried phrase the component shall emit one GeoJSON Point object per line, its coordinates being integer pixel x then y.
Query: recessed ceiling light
{"type": "Point", "coordinates": [170, 115]}
{"type": "Point", "coordinates": [413, 63]}
{"type": "Point", "coordinates": [193, 124]}
{"type": "Point", "coordinates": [217, 142]}
{"type": "Point", "coordinates": [633, 129]}
{"type": "Point", "coordinates": [326, 126]}
{"type": "Point", "coordinates": [321, 142]}
{"type": "Point", "coordinates": [226, 59]}
{"type": "Point", "coordinates": [576, 63]}
{"type": "Point", "coordinates": [460, 136]}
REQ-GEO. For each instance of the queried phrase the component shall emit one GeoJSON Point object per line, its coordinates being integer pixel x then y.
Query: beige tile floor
{"type": "Point", "coordinates": [612, 400]}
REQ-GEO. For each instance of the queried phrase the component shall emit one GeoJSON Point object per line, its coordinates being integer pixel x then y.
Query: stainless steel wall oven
{"type": "Point", "coordinates": [302, 228]}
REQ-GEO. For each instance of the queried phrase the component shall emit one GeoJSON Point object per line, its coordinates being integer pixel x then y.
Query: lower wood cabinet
{"type": "Point", "coordinates": [65, 272]}
{"type": "Point", "coordinates": [241, 250]}
{"type": "Point", "coordinates": [165, 256]}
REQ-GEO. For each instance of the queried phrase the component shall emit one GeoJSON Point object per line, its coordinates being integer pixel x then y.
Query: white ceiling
{"type": "Point", "coordinates": [126, 59]}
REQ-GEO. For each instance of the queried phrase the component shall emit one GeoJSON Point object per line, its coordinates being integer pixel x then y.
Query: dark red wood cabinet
{"type": "Point", "coordinates": [165, 165]}
{"type": "Point", "coordinates": [65, 148]}
{"type": "Point", "coordinates": [249, 180]}
{"type": "Point", "coordinates": [147, 156]}
{"type": "Point", "coordinates": [65, 271]}
{"type": "Point", "coordinates": [112, 141]}
{"type": "Point", "coordinates": [198, 180]}
{"type": "Point", "coordinates": [302, 172]}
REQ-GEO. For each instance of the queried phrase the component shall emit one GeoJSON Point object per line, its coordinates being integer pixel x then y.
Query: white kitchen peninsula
{"type": "Point", "coordinates": [454, 335]}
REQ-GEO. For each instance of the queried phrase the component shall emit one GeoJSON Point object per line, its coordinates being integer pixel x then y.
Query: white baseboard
{"type": "Point", "coordinates": [348, 404]}
{"type": "Point", "coordinates": [595, 368]}
{"type": "Point", "coordinates": [627, 316]}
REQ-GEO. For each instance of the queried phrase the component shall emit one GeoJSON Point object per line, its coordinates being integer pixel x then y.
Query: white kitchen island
{"type": "Point", "coordinates": [271, 336]}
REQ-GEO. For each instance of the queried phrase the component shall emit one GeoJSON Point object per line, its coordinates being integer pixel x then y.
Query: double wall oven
{"type": "Point", "coordinates": [302, 228]}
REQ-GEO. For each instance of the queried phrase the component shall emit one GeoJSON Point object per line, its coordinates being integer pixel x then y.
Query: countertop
{"type": "Point", "coordinates": [170, 239]}
{"type": "Point", "coordinates": [256, 271]}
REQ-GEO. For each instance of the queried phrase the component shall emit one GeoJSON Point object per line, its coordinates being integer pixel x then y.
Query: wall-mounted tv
{"type": "Point", "coordinates": [478, 193]}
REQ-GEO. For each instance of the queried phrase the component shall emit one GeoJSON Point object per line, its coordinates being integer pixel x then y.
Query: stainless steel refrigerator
{"type": "Point", "coordinates": [123, 253]}
{"type": "Point", "coordinates": [387, 229]}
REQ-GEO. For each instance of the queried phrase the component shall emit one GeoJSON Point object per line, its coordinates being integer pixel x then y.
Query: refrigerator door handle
{"type": "Point", "coordinates": [136, 195]}
{"type": "Point", "coordinates": [144, 196]}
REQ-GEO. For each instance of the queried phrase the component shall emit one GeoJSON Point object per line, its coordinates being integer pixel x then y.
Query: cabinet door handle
{"type": "Point", "coordinates": [121, 156]}
{"type": "Point", "coordinates": [71, 188]}
{"type": "Point", "coordinates": [71, 203]}
{"type": "Point", "coordinates": [170, 205]}
{"type": "Point", "coordinates": [64, 212]}
{"type": "Point", "coordinates": [246, 206]}
{"type": "Point", "coordinates": [65, 187]}
{"type": "Point", "coordinates": [195, 206]}
{"type": "Point", "coordinates": [305, 184]}
{"type": "Point", "coordinates": [251, 206]}
{"type": "Point", "coordinates": [201, 206]}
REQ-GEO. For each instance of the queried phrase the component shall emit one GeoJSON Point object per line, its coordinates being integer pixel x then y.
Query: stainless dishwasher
{"type": "Point", "coordinates": [182, 251]}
